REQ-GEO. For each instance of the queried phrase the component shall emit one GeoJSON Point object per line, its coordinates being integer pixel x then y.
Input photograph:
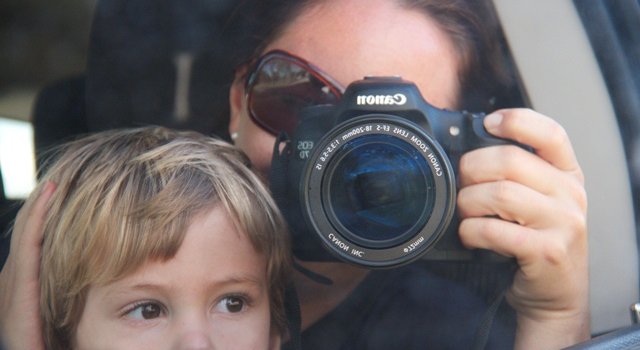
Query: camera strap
{"type": "Point", "coordinates": [278, 172]}
{"type": "Point", "coordinates": [278, 184]}
{"type": "Point", "coordinates": [278, 179]}
{"type": "Point", "coordinates": [484, 330]}
{"type": "Point", "coordinates": [497, 300]}
{"type": "Point", "coordinates": [292, 313]}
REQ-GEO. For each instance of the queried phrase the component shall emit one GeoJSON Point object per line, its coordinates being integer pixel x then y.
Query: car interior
{"type": "Point", "coordinates": [171, 63]}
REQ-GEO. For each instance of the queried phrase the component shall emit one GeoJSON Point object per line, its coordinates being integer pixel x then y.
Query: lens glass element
{"type": "Point", "coordinates": [380, 190]}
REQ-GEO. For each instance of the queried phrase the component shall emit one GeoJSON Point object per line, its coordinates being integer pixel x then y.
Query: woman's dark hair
{"type": "Point", "coordinates": [487, 74]}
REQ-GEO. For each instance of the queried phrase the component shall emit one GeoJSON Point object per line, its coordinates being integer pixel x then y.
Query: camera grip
{"type": "Point", "coordinates": [485, 139]}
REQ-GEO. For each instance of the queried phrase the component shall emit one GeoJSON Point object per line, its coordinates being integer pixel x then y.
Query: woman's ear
{"type": "Point", "coordinates": [236, 100]}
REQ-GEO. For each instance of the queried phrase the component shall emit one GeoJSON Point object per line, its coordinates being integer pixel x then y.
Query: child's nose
{"type": "Point", "coordinates": [194, 333]}
{"type": "Point", "coordinates": [195, 341]}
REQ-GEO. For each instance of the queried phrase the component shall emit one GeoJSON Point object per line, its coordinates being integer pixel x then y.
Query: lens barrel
{"type": "Point", "coordinates": [378, 190]}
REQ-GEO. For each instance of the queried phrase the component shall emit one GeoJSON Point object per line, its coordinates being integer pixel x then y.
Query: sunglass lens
{"type": "Point", "coordinates": [281, 88]}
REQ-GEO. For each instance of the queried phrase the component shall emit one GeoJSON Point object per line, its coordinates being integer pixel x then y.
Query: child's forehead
{"type": "Point", "coordinates": [213, 256]}
{"type": "Point", "coordinates": [210, 243]}
{"type": "Point", "coordinates": [214, 243]}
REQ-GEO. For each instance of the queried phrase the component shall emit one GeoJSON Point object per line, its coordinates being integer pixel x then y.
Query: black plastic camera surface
{"type": "Point", "coordinates": [372, 181]}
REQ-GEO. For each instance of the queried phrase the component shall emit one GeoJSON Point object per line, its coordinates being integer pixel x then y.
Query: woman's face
{"type": "Point", "coordinates": [213, 294]}
{"type": "Point", "coordinates": [351, 39]}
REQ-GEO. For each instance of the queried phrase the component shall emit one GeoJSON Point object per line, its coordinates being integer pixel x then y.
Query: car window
{"type": "Point", "coordinates": [17, 163]}
{"type": "Point", "coordinates": [614, 31]}
{"type": "Point", "coordinates": [613, 28]}
{"type": "Point", "coordinates": [45, 47]}
{"type": "Point", "coordinates": [564, 79]}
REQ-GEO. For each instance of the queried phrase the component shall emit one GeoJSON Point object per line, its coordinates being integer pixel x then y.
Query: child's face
{"type": "Point", "coordinates": [212, 294]}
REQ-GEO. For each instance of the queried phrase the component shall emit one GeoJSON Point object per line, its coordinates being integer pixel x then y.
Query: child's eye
{"type": "Point", "coordinates": [231, 304]}
{"type": "Point", "coordinates": [145, 311]}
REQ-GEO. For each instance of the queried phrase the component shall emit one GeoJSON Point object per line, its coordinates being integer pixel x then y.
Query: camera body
{"type": "Point", "coordinates": [372, 180]}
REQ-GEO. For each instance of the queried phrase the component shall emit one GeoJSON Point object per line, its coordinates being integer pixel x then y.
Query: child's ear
{"type": "Point", "coordinates": [236, 99]}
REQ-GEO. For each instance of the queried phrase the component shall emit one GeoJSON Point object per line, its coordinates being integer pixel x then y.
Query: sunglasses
{"type": "Point", "coordinates": [280, 85]}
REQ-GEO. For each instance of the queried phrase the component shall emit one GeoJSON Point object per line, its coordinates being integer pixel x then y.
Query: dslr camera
{"type": "Point", "coordinates": [372, 180]}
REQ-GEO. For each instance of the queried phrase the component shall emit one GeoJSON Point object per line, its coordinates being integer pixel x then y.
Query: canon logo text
{"type": "Point", "coordinates": [372, 100]}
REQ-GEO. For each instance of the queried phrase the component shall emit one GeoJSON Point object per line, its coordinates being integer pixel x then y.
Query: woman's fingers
{"type": "Point", "coordinates": [28, 233]}
{"type": "Point", "coordinates": [514, 164]}
{"type": "Point", "coordinates": [531, 206]}
{"type": "Point", "coordinates": [548, 139]}
{"type": "Point", "coordinates": [503, 237]}
{"type": "Point", "coordinates": [507, 200]}
{"type": "Point", "coordinates": [20, 323]}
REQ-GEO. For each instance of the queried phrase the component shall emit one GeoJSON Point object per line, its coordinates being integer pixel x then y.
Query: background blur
{"type": "Point", "coordinates": [40, 42]}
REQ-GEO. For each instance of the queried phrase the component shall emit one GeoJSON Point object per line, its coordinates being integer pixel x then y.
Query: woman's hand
{"type": "Point", "coordinates": [532, 206]}
{"type": "Point", "coordinates": [20, 323]}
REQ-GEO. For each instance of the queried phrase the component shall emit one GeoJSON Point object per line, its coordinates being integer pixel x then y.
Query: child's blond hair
{"type": "Point", "coordinates": [126, 197]}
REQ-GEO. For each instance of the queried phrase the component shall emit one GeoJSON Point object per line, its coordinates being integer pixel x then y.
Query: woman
{"type": "Point", "coordinates": [530, 206]}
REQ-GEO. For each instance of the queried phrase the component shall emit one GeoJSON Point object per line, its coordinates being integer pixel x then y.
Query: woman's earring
{"type": "Point", "coordinates": [234, 136]}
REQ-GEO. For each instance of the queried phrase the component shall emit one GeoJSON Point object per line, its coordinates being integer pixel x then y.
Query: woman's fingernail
{"type": "Point", "coordinates": [492, 121]}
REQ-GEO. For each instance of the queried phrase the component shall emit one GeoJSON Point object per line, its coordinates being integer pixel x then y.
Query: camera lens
{"type": "Point", "coordinates": [379, 189]}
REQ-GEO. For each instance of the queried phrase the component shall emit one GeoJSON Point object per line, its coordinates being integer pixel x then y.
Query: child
{"type": "Point", "coordinates": [160, 239]}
